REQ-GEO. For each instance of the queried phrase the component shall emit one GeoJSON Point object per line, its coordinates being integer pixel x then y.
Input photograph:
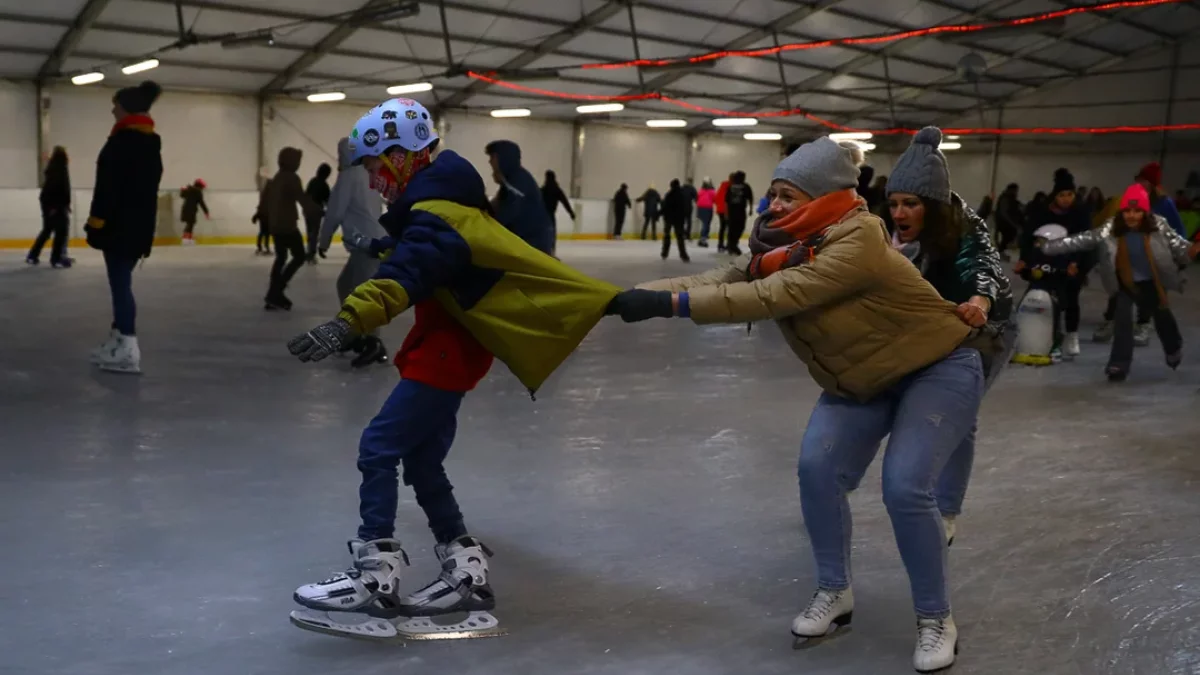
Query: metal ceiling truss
{"type": "Point", "coordinates": [70, 39]}
{"type": "Point", "coordinates": [1081, 30]}
{"type": "Point", "coordinates": [327, 44]}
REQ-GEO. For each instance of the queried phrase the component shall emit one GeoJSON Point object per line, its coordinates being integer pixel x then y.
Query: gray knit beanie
{"type": "Point", "coordinates": [922, 170]}
{"type": "Point", "coordinates": [821, 167]}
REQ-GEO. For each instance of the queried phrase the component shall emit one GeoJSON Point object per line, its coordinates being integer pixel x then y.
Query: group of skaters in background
{"type": "Point", "coordinates": [732, 202]}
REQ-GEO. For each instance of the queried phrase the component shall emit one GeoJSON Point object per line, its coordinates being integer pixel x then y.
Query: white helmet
{"type": "Point", "coordinates": [1051, 232]}
{"type": "Point", "coordinates": [396, 122]}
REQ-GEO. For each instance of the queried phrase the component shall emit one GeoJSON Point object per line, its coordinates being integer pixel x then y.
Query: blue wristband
{"type": "Point", "coordinates": [685, 310]}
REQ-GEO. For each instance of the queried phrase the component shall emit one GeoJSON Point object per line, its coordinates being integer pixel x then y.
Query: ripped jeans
{"type": "Point", "coordinates": [928, 414]}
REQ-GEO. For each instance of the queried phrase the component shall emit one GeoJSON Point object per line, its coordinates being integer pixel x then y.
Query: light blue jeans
{"type": "Point", "coordinates": [928, 414]}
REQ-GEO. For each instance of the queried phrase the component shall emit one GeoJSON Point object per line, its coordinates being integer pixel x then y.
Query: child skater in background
{"type": "Point", "coordinates": [1050, 274]}
{"type": "Point", "coordinates": [1141, 258]}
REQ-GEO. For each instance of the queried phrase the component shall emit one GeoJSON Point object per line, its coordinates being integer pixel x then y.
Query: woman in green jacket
{"type": "Point", "coordinates": [951, 245]}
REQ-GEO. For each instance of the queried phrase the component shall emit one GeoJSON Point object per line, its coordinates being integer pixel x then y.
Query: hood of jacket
{"type": "Point", "coordinates": [289, 159]}
{"type": "Point", "coordinates": [345, 153]}
{"type": "Point", "coordinates": [324, 171]}
{"type": "Point", "coordinates": [450, 178]}
{"type": "Point", "coordinates": [508, 157]}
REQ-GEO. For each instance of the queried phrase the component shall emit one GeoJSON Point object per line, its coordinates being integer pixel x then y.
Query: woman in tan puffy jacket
{"type": "Point", "coordinates": [888, 352]}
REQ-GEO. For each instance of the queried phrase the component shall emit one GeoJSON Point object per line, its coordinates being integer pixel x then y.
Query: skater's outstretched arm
{"type": "Point", "coordinates": [428, 254]}
{"type": "Point", "coordinates": [725, 274]}
{"type": "Point", "coordinates": [1078, 243]}
{"type": "Point", "coordinates": [1178, 245]}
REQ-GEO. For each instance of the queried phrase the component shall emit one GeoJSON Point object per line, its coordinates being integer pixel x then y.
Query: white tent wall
{"type": "Point", "coordinates": [215, 137]}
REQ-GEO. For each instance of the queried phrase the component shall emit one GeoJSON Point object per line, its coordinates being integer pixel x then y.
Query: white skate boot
{"type": "Point", "coordinates": [1141, 335]}
{"type": "Point", "coordinates": [827, 608]}
{"type": "Point", "coordinates": [937, 644]}
{"type": "Point", "coordinates": [1071, 345]}
{"type": "Point", "coordinates": [461, 588]}
{"type": "Point", "coordinates": [105, 347]}
{"type": "Point", "coordinates": [951, 527]}
{"type": "Point", "coordinates": [123, 357]}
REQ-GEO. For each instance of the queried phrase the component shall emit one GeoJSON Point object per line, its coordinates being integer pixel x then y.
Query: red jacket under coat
{"type": "Point", "coordinates": [439, 352]}
{"type": "Point", "coordinates": [722, 209]}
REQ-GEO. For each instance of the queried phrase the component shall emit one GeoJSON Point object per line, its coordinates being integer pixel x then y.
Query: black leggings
{"type": "Point", "coordinates": [263, 242]}
{"type": "Point", "coordinates": [283, 271]}
{"type": "Point", "coordinates": [56, 225]}
{"type": "Point", "coordinates": [1145, 296]}
{"type": "Point", "coordinates": [1068, 297]}
{"type": "Point", "coordinates": [1110, 313]}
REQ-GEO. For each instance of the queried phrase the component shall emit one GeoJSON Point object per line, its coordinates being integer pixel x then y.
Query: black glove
{"type": "Point", "coordinates": [322, 341]}
{"type": "Point", "coordinates": [638, 305]}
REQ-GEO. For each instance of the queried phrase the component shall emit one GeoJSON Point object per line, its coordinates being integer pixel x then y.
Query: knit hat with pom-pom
{"type": "Point", "coordinates": [821, 167]}
{"type": "Point", "coordinates": [1063, 182]}
{"type": "Point", "coordinates": [137, 100]}
{"type": "Point", "coordinates": [922, 169]}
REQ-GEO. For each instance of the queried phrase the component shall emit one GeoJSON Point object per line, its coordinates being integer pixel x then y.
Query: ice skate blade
{"type": "Point", "coordinates": [402, 629]}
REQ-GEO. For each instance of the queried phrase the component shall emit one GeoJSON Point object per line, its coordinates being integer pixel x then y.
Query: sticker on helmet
{"type": "Point", "coordinates": [406, 101]}
{"type": "Point", "coordinates": [354, 133]}
{"type": "Point", "coordinates": [410, 114]}
{"type": "Point", "coordinates": [388, 115]}
{"type": "Point", "coordinates": [389, 131]}
{"type": "Point", "coordinates": [370, 138]}
{"type": "Point", "coordinates": [421, 131]}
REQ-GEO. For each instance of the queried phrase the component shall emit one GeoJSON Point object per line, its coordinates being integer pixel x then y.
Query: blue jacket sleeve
{"type": "Point", "coordinates": [428, 255]}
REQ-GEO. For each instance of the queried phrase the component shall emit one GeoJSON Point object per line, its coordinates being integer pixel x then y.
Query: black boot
{"type": "Point", "coordinates": [372, 352]}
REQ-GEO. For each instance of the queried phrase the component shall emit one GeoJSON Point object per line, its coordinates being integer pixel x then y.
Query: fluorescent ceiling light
{"type": "Point", "coordinates": [953, 138]}
{"type": "Point", "coordinates": [664, 124]}
{"type": "Point", "coordinates": [87, 78]}
{"type": "Point", "coordinates": [770, 136]}
{"type": "Point", "coordinates": [600, 108]}
{"type": "Point", "coordinates": [866, 147]}
{"type": "Point", "coordinates": [149, 64]}
{"type": "Point", "coordinates": [851, 136]}
{"type": "Point", "coordinates": [410, 88]}
{"type": "Point", "coordinates": [326, 97]}
{"type": "Point", "coordinates": [512, 112]}
{"type": "Point", "coordinates": [949, 146]}
{"type": "Point", "coordinates": [735, 122]}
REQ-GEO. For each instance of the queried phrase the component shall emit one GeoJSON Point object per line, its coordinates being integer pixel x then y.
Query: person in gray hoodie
{"type": "Point", "coordinates": [518, 206]}
{"type": "Point", "coordinates": [355, 208]}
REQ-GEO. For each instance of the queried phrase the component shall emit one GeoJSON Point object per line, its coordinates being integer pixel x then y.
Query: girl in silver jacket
{"type": "Point", "coordinates": [1141, 259]}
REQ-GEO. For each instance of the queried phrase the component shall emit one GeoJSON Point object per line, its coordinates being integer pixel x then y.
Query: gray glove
{"type": "Point", "coordinates": [326, 339]}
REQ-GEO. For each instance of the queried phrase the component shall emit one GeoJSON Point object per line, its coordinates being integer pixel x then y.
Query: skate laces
{"type": "Point", "coordinates": [821, 604]}
{"type": "Point", "coordinates": [931, 634]}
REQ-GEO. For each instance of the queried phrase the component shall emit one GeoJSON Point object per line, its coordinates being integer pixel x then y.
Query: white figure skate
{"type": "Point", "coordinates": [363, 602]}
{"type": "Point", "coordinates": [827, 609]}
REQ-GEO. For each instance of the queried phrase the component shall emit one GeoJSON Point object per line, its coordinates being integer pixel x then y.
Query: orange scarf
{"type": "Point", "coordinates": [792, 239]}
{"type": "Point", "coordinates": [142, 123]}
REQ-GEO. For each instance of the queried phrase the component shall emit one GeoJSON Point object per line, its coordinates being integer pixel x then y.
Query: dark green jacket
{"type": "Point", "coordinates": [974, 271]}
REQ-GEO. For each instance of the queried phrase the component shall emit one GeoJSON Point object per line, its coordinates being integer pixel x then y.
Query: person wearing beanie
{"type": "Point", "coordinates": [1066, 209]}
{"type": "Point", "coordinates": [1140, 260]}
{"type": "Point", "coordinates": [124, 216]}
{"type": "Point", "coordinates": [951, 245]}
{"type": "Point", "coordinates": [886, 349]}
{"type": "Point", "coordinates": [193, 204]}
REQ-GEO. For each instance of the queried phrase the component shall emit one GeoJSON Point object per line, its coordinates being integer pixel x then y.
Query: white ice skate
{"type": "Point", "coordinates": [937, 645]}
{"type": "Point", "coordinates": [436, 612]}
{"type": "Point", "coordinates": [105, 347]}
{"type": "Point", "coordinates": [827, 608]}
{"type": "Point", "coordinates": [951, 527]}
{"type": "Point", "coordinates": [1070, 346]}
{"type": "Point", "coordinates": [1141, 335]}
{"type": "Point", "coordinates": [123, 356]}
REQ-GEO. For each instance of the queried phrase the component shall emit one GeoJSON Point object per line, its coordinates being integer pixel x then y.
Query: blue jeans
{"type": "Point", "coordinates": [415, 428]}
{"type": "Point", "coordinates": [952, 485]}
{"type": "Point", "coordinates": [705, 216]}
{"type": "Point", "coordinates": [928, 414]}
{"type": "Point", "coordinates": [120, 284]}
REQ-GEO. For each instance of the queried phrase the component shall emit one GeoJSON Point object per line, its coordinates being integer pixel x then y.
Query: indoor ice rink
{"type": "Point", "coordinates": [640, 514]}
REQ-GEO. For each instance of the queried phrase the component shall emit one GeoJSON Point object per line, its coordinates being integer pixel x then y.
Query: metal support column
{"type": "Point", "coordinates": [1174, 82]}
{"type": "Point", "coordinates": [689, 156]}
{"type": "Point", "coordinates": [579, 139]}
{"type": "Point", "coordinates": [264, 115]}
{"type": "Point", "coordinates": [43, 129]}
{"type": "Point", "coordinates": [993, 173]}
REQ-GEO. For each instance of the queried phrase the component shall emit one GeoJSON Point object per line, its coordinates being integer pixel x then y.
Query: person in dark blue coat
{"type": "Point", "coordinates": [519, 205]}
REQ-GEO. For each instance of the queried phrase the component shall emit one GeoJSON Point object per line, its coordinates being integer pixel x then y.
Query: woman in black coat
{"type": "Point", "coordinates": [56, 208]}
{"type": "Point", "coordinates": [124, 215]}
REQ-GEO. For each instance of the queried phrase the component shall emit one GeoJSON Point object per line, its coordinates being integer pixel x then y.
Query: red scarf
{"type": "Point", "coordinates": [785, 242]}
{"type": "Point", "coordinates": [142, 123]}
